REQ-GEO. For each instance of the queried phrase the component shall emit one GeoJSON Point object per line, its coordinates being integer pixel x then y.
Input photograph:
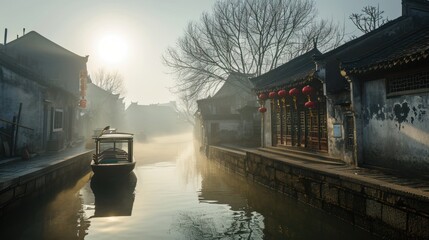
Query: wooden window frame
{"type": "Point", "coordinates": [349, 132]}
{"type": "Point", "coordinates": [58, 124]}
{"type": "Point", "coordinates": [407, 83]}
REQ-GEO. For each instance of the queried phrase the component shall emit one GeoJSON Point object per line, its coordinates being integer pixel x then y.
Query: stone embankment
{"type": "Point", "coordinates": [24, 180]}
{"type": "Point", "coordinates": [366, 198]}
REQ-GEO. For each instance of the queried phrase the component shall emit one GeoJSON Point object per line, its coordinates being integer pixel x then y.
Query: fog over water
{"type": "Point", "coordinates": [174, 193]}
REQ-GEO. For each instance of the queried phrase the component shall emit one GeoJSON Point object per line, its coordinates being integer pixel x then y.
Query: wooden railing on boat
{"type": "Point", "coordinates": [118, 154]}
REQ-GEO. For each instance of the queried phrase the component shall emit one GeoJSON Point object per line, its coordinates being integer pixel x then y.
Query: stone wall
{"type": "Point", "coordinates": [30, 186]}
{"type": "Point", "coordinates": [384, 211]}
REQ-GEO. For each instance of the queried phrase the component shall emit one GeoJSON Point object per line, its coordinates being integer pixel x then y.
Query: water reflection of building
{"type": "Point", "coordinates": [264, 214]}
{"type": "Point", "coordinates": [55, 215]}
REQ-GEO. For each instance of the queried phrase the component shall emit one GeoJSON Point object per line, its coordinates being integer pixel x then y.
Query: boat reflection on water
{"type": "Point", "coordinates": [113, 197]}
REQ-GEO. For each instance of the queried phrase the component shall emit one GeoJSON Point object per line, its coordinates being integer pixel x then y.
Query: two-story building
{"type": "Point", "coordinates": [103, 109]}
{"type": "Point", "coordinates": [154, 120]}
{"type": "Point", "coordinates": [364, 102]}
{"type": "Point", "coordinates": [229, 116]}
{"type": "Point", "coordinates": [48, 81]}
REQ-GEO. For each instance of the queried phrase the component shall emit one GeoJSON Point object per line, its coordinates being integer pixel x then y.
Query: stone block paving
{"type": "Point", "coordinates": [405, 183]}
{"type": "Point", "coordinates": [13, 169]}
{"type": "Point", "coordinates": [378, 177]}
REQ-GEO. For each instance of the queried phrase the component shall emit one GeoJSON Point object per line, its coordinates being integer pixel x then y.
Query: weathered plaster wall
{"type": "Point", "coordinates": [59, 99]}
{"type": "Point", "coordinates": [227, 132]}
{"type": "Point", "coordinates": [335, 115]}
{"type": "Point", "coordinates": [38, 104]}
{"type": "Point", "coordinates": [230, 125]}
{"type": "Point", "coordinates": [15, 89]}
{"type": "Point", "coordinates": [58, 66]}
{"type": "Point", "coordinates": [395, 130]}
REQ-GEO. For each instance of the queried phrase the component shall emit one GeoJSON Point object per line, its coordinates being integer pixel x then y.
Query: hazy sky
{"type": "Point", "coordinates": [131, 36]}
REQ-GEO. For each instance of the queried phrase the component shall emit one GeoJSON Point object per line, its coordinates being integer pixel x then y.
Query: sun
{"type": "Point", "coordinates": [113, 49]}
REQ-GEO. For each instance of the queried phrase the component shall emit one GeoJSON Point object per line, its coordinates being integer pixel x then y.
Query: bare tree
{"type": "Point", "coordinates": [186, 107]}
{"type": "Point", "coordinates": [370, 19]}
{"type": "Point", "coordinates": [112, 82]}
{"type": "Point", "coordinates": [245, 36]}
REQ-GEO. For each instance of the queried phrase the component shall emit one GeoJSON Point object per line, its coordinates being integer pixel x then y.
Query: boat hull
{"type": "Point", "coordinates": [113, 170]}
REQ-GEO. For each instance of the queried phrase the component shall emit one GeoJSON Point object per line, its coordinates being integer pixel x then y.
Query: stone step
{"type": "Point", "coordinates": [302, 155]}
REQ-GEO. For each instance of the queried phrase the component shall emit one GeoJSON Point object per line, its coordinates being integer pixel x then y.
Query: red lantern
{"type": "Point", "coordinates": [262, 96]}
{"type": "Point", "coordinates": [307, 90]}
{"type": "Point", "coordinates": [282, 93]}
{"type": "Point", "coordinates": [82, 103]}
{"type": "Point", "coordinates": [293, 92]}
{"type": "Point", "coordinates": [262, 109]}
{"type": "Point", "coordinates": [310, 104]}
{"type": "Point", "coordinates": [272, 95]}
{"type": "Point", "coordinates": [83, 82]}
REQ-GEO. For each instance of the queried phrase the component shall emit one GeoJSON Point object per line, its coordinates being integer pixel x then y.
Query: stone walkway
{"type": "Point", "coordinates": [13, 169]}
{"type": "Point", "coordinates": [416, 185]}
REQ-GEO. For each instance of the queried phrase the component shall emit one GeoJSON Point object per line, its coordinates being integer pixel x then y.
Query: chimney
{"type": "Point", "coordinates": [23, 31]}
{"type": "Point", "coordinates": [5, 36]}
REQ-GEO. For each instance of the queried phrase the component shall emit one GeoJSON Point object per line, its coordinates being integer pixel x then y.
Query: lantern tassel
{"type": "Point", "coordinates": [294, 101]}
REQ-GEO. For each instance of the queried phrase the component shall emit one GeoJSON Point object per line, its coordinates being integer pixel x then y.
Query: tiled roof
{"type": "Point", "coordinates": [348, 49]}
{"type": "Point", "coordinates": [290, 73]}
{"type": "Point", "coordinates": [14, 65]}
{"type": "Point", "coordinates": [34, 40]}
{"type": "Point", "coordinates": [408, 48]}
{"type": "Point", "coordinates": [365, 46]}
{"type": "Point", "coordinates": [236, 83]}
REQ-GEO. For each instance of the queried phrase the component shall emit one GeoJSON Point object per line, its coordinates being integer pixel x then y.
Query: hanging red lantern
{"type": "Point", "coordinates": [82, 103]}
{"type": "Point", "coordinates": [293, 92]}
{"type": "Point", "coordinates": [282, 93]}
{"type": "Point", "coordinates": [262, 109]}
{"type": "Point", "coordinates": [310, 104]}
{"type": "Point", "coordinates": [307, 90]}
{"type": "Point", "coordinates": [272, 95]}
{"type": "Point", "coordinates": [262, 96]}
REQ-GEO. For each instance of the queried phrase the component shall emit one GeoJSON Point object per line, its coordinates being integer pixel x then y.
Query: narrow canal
{"type": "Point", "coordinates": [174, 193]}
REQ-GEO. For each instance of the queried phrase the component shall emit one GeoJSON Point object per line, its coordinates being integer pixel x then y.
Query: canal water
{"type": "Point", "coordinates": [174, 193]}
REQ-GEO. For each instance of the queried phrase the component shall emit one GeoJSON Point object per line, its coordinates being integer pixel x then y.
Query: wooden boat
{"type": "Point", "coordinates": [113, 154]}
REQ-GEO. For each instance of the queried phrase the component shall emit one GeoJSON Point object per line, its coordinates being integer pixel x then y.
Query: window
{"type": "Point", "coordinates": [58, 120]}
{"type": "Point", "coordinates": [406, 84]}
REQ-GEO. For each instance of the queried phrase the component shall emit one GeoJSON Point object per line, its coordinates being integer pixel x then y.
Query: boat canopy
{"type": "Point", "coordinates": [115, 136]}
{"type": "Point", "coordinates": [115, 140]}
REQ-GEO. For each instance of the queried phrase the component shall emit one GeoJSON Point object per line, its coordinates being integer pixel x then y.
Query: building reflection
{"type": "Point", "coordinates": [113, 197]}
{"type": "Point", "coordinates": [57, 214]}
{"type": "Point", "coordinates": [263, 213]}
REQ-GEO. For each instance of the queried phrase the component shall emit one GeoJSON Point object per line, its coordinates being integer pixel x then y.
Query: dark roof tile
{"type": "Point", "coordinates": [404, 49]}
{"type": "Point", "coordinates": [289, 73]}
